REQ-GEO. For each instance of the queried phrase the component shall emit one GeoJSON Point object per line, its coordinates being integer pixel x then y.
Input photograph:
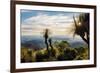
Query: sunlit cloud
{"type": "Point", "coordinates": [58, 24]}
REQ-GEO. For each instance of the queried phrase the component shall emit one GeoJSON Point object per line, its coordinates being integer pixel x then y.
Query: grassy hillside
{"type": "Point", "coordinates": [61, 51]}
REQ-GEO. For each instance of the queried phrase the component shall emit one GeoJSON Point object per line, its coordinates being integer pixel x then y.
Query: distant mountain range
{"type": "Point", "coordinates": [37, 42]}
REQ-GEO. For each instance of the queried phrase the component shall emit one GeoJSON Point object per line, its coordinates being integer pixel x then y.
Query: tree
{"type": "Point", "coordinates": [50, 43]}
{"type": "Point", "coordinates": [46, 36]}
{"type": "Point", "coordinates": [82, 27]}
{"type": "Point", "coordinates": [52, 50]}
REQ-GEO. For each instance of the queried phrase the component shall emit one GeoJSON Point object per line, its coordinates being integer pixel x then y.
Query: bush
{"type": "Point", "coordinates": [52, 52]}
{"type": "Point", "coordinates": [61, 51]}
{"type": "Point", "coordinates": [83, 53]}
{"type": "Point", "coordinates": [42, 56]}
{"type": "Point", "coordinates": [70, 54]}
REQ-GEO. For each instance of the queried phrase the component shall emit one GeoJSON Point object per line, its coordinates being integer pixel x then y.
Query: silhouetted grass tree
{"type": "Point", "coordinates": [46, 36]}
{"type": "Point", "coordinates": [50, 43]}
{"type": "Point", "coordinates": [52, 51]}
{"type": "Point", "coordinates": [82, 27]}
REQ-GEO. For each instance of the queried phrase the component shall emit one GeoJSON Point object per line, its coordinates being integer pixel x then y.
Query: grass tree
{"type": "Point", "coordinates": [46, 36]}
{"type": "Point", "coordinates": [82, 27]}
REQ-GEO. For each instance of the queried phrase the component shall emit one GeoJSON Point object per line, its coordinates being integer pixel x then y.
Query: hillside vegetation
{"type": "Point", "coordinates": [60, 51]}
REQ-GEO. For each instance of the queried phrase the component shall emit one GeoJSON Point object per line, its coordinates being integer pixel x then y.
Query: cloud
{"type": "Point", "coordinates": [58, 24]}
{"type": "Point", "coordinates": [44, 19]}
{"type": "Point", "coordinates": [22, 10]}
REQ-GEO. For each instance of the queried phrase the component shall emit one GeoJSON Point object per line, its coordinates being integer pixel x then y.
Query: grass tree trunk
{"type": "Point", "coordinates": [46, 36]}
{"type": "Point", "coordinates": [47, 45]}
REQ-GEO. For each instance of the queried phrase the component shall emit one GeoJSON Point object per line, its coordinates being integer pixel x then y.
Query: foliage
{"type": "Point", "coordinates": [61, 51]}
{"type": "Point", "coordinates": [82, 27]}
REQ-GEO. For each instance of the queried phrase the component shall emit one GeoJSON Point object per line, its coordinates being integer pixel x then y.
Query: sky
{"type": "Point", "coordinates": [34, 22]}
